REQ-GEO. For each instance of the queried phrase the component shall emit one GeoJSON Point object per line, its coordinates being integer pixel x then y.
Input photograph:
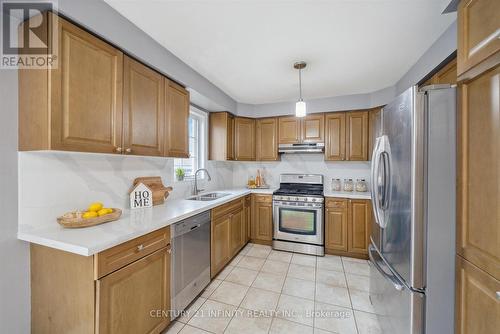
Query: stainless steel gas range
{"type": "Point", "coordinates": [298, 207]}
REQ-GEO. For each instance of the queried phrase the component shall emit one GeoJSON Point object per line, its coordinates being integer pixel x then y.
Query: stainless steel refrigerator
{"type": "Point", "coordinates": [412, 249]}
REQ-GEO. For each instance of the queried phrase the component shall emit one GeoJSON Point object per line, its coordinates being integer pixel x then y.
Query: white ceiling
{"type": "Point", "coordinates": [247, 47]}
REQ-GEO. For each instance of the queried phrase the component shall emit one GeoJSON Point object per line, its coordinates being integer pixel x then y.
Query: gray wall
{"type": "Point", "coordinates": [14, 258]}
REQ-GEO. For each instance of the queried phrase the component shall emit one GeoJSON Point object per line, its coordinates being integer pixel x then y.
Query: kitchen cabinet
{"type": "Point", "coordinates": [143, 109]}
{"type": "Point", "coordinates": [447, 74]}
{"type": "Point", "coordinates": [177, 117]}
{"type": "Point", "coordinates": [477, 300]}
{"type": "Point", "coordinates": [221, 134]}
{"type": "Point", "coordinates": [262, 219]}
{"type": "Point", "coordinates": [308, 129]}
{"type": "Point", "coordinates": [336, 224]}
{"type": "Point", "coordinates": [113, 291]}
{"type": "Point", "coordinates": [98, 100]}
{"type": "Point", "coordinates": [478, 27]}
{"type": "Point", "coordinates": [375, 129]}
{"type": "Point", "coordinates": [248, 217]}
{"type": "Point", "coordinates": [77, 106]}
{"type": "Point", "coordinates": [347, 226]}
{"type": "Point", "coordinates": [289, 130]}
{"type": "Point", "coordinates": [358, 226]}
{"type": "Point", "coordinates": [335, 136]}
{"type": "Point", "coordinates": [126, 297]}
{"type": "Point", "coordinates": [266, 144]}
{"type": "Point", "coordinates": [227, 237]}
{"type": "Point", "coordinates": [244, 139]}
{"type": "Point", "coordinates": [478, 227]}
{"type": "Point", "coordinates": [347, 136]}
{"type": "Point", "coordinates": [357, 135]}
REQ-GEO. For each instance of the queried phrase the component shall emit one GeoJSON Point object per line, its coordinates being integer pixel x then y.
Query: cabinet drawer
{"type": "Point", "coordinates": [336, 203]}
{"type": "Point", "coordinates": [119, 256]}
{"type": "Point", "coordinates": [228, 208]}
{"type": "Point", "coordinates": [263, 198]}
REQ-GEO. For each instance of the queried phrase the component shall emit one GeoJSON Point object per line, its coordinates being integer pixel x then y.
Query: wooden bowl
{"type": "Point", "coordinates": [75, 222]}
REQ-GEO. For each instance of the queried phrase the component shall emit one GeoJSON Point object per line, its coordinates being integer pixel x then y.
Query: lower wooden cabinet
{"type": "Point", "coordinates": [126, 297]}
{"type": "Point", "coordinates": [347, 226]}
{"type": "Point", "coordinates": [248, 217]}
{"type": "Point", "coordinates": [114, 291]}
{"type": "Point", "coordinates": [477, 304]}
{"type": "Point", "coordinates": [227, 234]}
{"type": "Point", "coordinates": [262, 219]}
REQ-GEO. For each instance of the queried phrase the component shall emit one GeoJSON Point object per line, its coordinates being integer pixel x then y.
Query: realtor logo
{"type": "Point", "coordinates": [29, 35]}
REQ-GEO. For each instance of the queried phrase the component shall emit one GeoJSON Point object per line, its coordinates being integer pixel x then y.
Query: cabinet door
{"type": "Point", "coordinates": [335, 136]}
{"type": "Point", "coordinates": [477, 300]}
{"type": "Point", "coordinates": [220, 244]}
{"type": "Point", "coordinates": [262, 218]}
{"type": "Point", "coordinates": [125, 298]}
{"type": "Point", "coordinates": [289, 130]}
{"type": "Point", "coordinates": [357, 135]}
{"type": "Point", "coordinates": [236, 232]}
{"type": "Point", "coordinates": [375, 129]}
{"type": "Point", "coordinates": [230, 138]}
{"type": "Point", "coordinates": [336, 224]}
{"type": "Point", "coordinates": [358, 225]}
{"type": "Point", "coordinates": [143, 110]}
{"type": "Point", "coordinates": [177, 117]}
{"type": "Point", "coordinates": [478, 34]}
{"type": "Point", "coordinates": [478, 230]}
{"type": "Point", "coordinates": [313, 128]}
{"type": "Point", "coordinates": [86, 93]}
{"type": "Point", "coordinates": [267, 139]}
{"type": "Point", "coordinates": [244, 138]}
{"type": "Point", "coordinates": [446, 75]}
{"type": "Point", "coordinates": [248, 217]}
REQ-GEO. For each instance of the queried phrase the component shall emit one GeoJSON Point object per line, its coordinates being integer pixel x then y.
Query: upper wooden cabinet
{"type": "Point", "coordinates": [477, 302]}
{"type": "Point", "coordinates": [97, 100]}
{"type": "Point", "coordinates": [266, 144]}
{"type": "Point", "coordinates": [478, 36]}
{"type": "Point", "coordinates": [289, 130]}
{"type": "Point", "coordinates": [478, 229]}
{"type": "Point", "coordinates": [347, 136]}
{"type": "Point", "coordinates": [295, 130]}
{"type": "Point", "coordinates": [177, 117]}
{"type": "Point", "coordinates": [445, 75]}
{"type": "Point", "coordinates": [375, 129]}
{"type": "Point", "coordinates": [335, 136]}
{"type": "Point", "coordinates": [357, 136]}
{"type": "Point", "coordinates": [143, 109]}
{"type": "Point", "coordinates": [221, 134]}
{"type": "Point", "coordinates": [78, 105]}
{"type": "Point", "coordinates": [244, 138]}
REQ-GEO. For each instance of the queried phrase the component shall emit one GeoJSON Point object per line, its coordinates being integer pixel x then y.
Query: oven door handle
{"type": "Point", "coordinates": [292, 206]}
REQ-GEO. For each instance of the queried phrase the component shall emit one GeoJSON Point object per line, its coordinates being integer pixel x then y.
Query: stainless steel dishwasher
{"type": "Point", "coordinates": [190, 260]}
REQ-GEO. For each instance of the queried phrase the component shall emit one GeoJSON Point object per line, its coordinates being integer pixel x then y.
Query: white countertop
{"type": "Point", "coordinates": [348, 194]}
{"type": "Point", "coordinates": [133, 223]}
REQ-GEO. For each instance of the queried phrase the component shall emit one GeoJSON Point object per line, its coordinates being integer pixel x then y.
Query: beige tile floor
{"type": "Point", "coordinates": [267, 291]}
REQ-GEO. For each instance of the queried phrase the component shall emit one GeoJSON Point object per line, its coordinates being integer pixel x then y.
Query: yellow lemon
{"type": "Point", "coordinates": [95, 207]}
{"type": "Point", "coordinates": [104, 211]}
{"type": "Point", "coordinates": [109, 210]}
{"type": "Point", "coordinates": [89, 214]}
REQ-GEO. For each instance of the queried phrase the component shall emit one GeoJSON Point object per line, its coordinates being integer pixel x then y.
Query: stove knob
{"type": "Point", "coordinates": [314, 199]}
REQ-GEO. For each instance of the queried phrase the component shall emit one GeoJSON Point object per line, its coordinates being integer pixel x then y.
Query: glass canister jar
{"type": "Point", "coordinates": [361, 185]}
{"type": "Point", "coordinates": [336, 185]}
{"type": "Point", "coordinates": [348, 185]}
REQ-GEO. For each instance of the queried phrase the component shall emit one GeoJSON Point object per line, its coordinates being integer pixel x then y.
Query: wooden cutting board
{"type": "Point", "coordinates": [160, 192]}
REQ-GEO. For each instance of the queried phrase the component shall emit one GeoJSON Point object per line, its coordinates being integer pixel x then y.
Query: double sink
{"type": "Point", "coordinates": [208, 196]}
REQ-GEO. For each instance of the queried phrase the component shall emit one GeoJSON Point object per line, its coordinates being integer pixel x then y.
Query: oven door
{"type": "Point", "coordinates": [298, 222]}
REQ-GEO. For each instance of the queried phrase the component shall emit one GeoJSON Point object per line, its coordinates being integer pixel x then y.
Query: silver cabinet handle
{"type": "Point", "coordinates": [498, 295]}
{"type": "Point", "coordinates": [128, 150]}
{"type": "Point", "coordinates": [140, 247]}
{"type": "Point", "coordinates": [118, 149]}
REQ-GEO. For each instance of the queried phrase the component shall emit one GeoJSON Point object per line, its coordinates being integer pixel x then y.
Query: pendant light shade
{"type": "Point", "coordinates": [300, 109]}
{"type": "Point", "coordinates": [300, 106]}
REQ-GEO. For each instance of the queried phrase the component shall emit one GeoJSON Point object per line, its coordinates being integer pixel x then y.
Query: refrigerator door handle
{"type": "Point", "coordinates": [391, 278]}
{"type": "Point", "coordinates": [387, 180]}
{"type": "Point", "coordinates": [374, 180]}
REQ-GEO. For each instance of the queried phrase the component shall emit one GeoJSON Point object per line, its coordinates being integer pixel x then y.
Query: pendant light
{"type": "Point", "coordinates": [300, 106]}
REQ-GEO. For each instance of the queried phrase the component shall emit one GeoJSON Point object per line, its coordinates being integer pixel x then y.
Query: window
{"type": "Point", "coordinates": [197, 148]}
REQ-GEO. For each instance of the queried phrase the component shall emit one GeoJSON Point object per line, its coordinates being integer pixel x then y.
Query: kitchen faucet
{"type": "Point", "coordinates": [196, 191]}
